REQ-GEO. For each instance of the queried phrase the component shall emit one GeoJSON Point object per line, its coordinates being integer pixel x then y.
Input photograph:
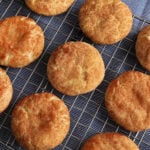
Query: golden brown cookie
{"type": "Point", "coordinates": [6, 90]}
{"type": "Point", "coordinates": [49, 7]}
{"type": "Point", "coordinates": [75, 68]}
{"type": "Point", "coordinates": [109, 141]}
{"type": "Point", "coordinates": [105, 21]}
{"type": "Point", "coordinates": [143, 47]}
{"type": "Point", "coordinates": [40, 121]}
{"type": "Point", "coordinates": [21, 41]}
{"type": "Point", "coordinates": [128, 100]}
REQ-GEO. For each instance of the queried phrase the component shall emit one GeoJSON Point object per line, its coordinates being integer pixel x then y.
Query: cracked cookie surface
{"type": "Point", "coordinates": [75, 68]}
{"type": "Point", "coordinates": [21, 41]}
{"type": "Point", "coordinates": [6, 90]}
{"type": "Point", "coordinates": [143, 47]}
{"type": "Point", "coordinates": [128, 100]}
{"type": "Point", "coordinates": [109, 141]}
{"type": "Point", "coordinates": [105, 21]}
{"type": "Point", "coordinates": [49, 7]}
{"type": "Point", "coordinates": [40, 121]}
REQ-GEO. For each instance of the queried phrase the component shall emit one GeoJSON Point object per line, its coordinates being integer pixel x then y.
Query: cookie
{"type": "Point", "coordinates": [21, 41]}
{"type": "Point", "coordinates": [143, 47]}
{"type": "Point", "coordinates": [104, 21]}
{"type": "Point", "coordinates": [6, 90]}
{"type": "Point", "coordinates": [127, 99]}
{"type": "Point", "coordinates": [49, 7]}
{"type": "Point", "coordinates": [109, 141]}
{"type": "Point", "coordinates": [75, 68]}
{"type": "Point", "coordinates": [40, 121]}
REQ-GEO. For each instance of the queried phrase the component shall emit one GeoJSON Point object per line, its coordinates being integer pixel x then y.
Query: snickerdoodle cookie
{"type": "Point", "coordinates": [21, 41]}
{"type": "Point", "coordinates": [75, 68]}
{"type": "Point", "coordinates": [128, 100]}
{"type": "Point", "coordinates": [6, 90]}
{"type": "Point", "coordinates": [143, 47]}
{"type": "Point", "coordinates": [109, 141]}
{"type": "Point", "coordinates": [40, 121]}
{"type": "Point", "coordinates": [105, 21]}
{"type": "Point", "coordinates": [49, 7]}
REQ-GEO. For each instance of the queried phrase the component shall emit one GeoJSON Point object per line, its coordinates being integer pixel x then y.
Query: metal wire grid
{"type": "Point", "coordinates": [88, 113]}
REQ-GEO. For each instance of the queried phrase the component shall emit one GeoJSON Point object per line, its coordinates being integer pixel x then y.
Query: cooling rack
{"type": "Point", "coordinates": [88, 113]}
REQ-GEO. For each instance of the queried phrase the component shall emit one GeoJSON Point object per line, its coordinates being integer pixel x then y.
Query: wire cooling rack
{"type": "Point", "coordinates": [88, 113]}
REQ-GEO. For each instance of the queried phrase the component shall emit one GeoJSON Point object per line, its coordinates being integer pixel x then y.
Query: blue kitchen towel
{"type": "Point", "coordinates": [88, 112]}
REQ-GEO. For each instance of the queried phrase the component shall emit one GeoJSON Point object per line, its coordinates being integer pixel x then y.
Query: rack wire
{"type": "Point", "coordinates": [88, 113]}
